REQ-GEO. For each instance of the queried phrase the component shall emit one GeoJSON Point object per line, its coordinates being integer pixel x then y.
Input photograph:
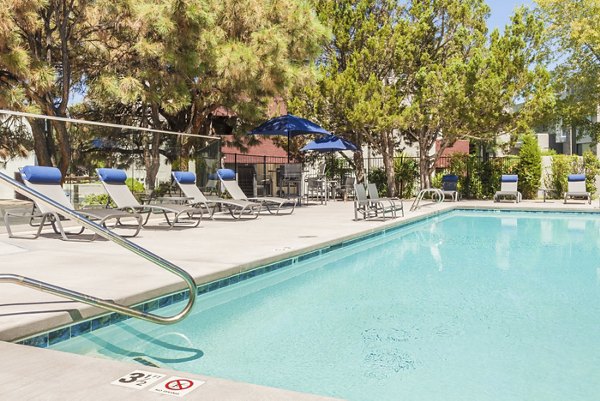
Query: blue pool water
{"type": "Point", "coordinates": [466, 306]}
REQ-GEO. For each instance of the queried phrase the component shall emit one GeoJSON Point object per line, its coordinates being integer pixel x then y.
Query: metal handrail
{"type": "Point", "coordinates": [109, 235]}
{"type": "Point", "coordinates": [102, 124]}
{"type": "Point", "coordinates": [437, 196]}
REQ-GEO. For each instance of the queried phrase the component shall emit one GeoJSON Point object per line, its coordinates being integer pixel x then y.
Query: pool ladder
{"type": "Point", "coordinates": [107, 305]}
{"type": "Point", "coordinates": [437, 196]}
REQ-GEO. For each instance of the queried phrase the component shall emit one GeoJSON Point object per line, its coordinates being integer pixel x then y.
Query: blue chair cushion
{"type": "Point", "coordinates": [450, 178]}
{"type": "Point", "coordinates": [226, 174]}
{"type": "Point", "coordinates": [112, 175]}
{"type": "Point", "coordinates": [509, 178]}
{"type": "Point", "coordinates": [184, 177]}
{"type": "Point", "coordinates": [576, 177]}
{"type": "Point", "coordinates": [41, 175]}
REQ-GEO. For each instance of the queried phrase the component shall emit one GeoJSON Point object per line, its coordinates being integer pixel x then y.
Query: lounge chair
{"type": "Point", "coordinates": [369, 208]}
{"type": "Point", "coordinates": [187, 183]}
{"type": "Point", "coordinates": [576, 188]}
{"type": "Point", "coordinates": [395, 204]}
{"type": "Point", "coordinates": [113, 181]}
{"type": "Point", "coordinates": [46, 181]}
{"type": "Point", "coordinates": [230, 184]}
{"type": "Point", "coordinates": [508, 188]}
{"type": "Point", "coordinates": [450, 187]}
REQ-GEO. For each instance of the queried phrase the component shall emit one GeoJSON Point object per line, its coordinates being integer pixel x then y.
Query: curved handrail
{"type": "Point", "coordinates": [109, 235]}
{"type": "Point", "coordinates": [437, 196]}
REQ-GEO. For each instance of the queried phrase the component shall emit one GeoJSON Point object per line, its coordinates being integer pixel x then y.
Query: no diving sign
{"type": "Point", "coordinates": [177, 386]}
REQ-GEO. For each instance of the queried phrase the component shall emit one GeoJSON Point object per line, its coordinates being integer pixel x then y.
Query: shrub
{"type": "Point", "coordinates": [98, 200]}
{"type": "Point", "coordinates": [407, 171]}
{"type": "Point", "coordinates": [378, 177]}
{"type": "Point", "coordinates": [562, 166]}
{"type": "Point", "coordinates": [134, 185]}
{"type": "Point", "coordinates": [591, 166]}
{"type": "Point", "coordinates": [529, 167]}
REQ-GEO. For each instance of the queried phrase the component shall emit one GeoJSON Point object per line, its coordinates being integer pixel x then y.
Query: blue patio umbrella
{"type": "Point", "coordinates": [329, 143]}
{"type": "Point", "coordinates": [290, 126]}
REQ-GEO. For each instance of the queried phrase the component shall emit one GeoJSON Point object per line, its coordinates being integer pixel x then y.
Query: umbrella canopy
{"type": "Point", "coordinates": [288, 125]}
{"type": "Point", "coordinates": [329, 143]}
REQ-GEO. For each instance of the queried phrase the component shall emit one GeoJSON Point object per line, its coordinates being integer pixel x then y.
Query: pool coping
{"type": "Point", "coordinates": [243, 272]}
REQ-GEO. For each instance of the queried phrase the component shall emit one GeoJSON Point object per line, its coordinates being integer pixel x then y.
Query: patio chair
{"type": "Point", "coordinates": [576, 188]}
{"type": "Point", "coordinates": [46, 181]}
{"type": "Point", "coordinates": [113, 181]}
{"type": "Point", "coordinates": [187, 183]}
{"type": "Point", "coordinates": [230, 184]}
{"type": "Point", "coordinates": [508, 188]}
{"type": "Point", "coordinates": [369, 208]}
{"type": "Point", "coordinates": [315, 189]}
{"type": "Point", "coordinates": [346, 190]}
{"type": "Point", "coordinates": [450, 187]}
{"type": "Point", "coordinates": [395, 204]}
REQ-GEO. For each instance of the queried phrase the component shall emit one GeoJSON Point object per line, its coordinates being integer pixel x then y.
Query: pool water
{"type": "Point", "coordinates": [466, 306]}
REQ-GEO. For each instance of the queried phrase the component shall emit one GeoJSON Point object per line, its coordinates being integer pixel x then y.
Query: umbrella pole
{"type": "Point", "coordinates": [288, 148]}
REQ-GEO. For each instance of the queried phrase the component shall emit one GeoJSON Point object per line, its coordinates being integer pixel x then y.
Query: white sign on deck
{"type": "Point", "coordinates": [177, 386]}
{"type": "Point", "coordinates": [138, 379]}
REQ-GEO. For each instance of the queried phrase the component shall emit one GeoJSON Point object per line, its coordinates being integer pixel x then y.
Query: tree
{"type": "Point", "coordinates": [574, 37]}
{"type": "Point", "coordinates": [529, 167]}
{"type": "Point", "coordinates": [354, 96]}
{"type": "Point", "coordinates": [180, 62]}
{"type": "Point", "coordinates": [424, 71]}
{"type": "Point", "coordinates": [43, 49]}
{"type": "Point", "coordinates": [460, 85]}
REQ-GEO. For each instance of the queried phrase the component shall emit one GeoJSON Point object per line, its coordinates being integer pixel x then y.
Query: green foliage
{"type": "Point", "coordinates": [135, 186]}
{"type": "Point", "coordinates": [405, 178]}
{"type": "Point", "coordinates": [572, 32]}
{"type": "Point", "coordinates": [548, 152]}
{"type": "Point", "coordinates": [98, 200]}
{"type": "Point", "coordinates": [479, 178]}
{"type": "Point", "coordinates": [335, 168]}
{"type": "Point", "coordinates": [562, 166]}
{"type": "Point", "coordinates": [427, 70]}
{"type": "Point", "coordinates": [529, 167]}
{"type": "Point", "coordinates": [591, 166]}
{"type": "Point", "coordinates": [378, 177]}
{"type": "Point", "coordinates": [407, 173]}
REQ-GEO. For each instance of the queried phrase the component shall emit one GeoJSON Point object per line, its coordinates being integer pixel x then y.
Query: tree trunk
{"type": "Point", "coordinates": [359, 166]}
{"type": "Point", "coordinates": [387, 152]}
{"type": "Point", "coordinates": [424, 169]}
{"type": "Point", "coordinates": [64, 146]}
{"type": "Point", "coordinates": [40, 142]}
{"type": "Point", "coordinates": [151, 143]}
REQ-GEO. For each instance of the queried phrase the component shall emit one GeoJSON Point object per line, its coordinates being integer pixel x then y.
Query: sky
{"type": "Point", "coordinates": [502, 10]}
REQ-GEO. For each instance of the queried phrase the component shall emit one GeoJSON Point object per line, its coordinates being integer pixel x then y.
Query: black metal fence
{"type": "Point", "coordinates": [479, 177]}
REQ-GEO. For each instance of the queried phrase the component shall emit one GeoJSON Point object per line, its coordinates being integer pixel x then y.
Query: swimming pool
{"type": "Point", "coordinates": [467, 305]}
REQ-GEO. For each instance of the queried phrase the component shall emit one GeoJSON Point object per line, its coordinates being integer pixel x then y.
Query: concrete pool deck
{"type": "Point", "coordinates": [216, 249]}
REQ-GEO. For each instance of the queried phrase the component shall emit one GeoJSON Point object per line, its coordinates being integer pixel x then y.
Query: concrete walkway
{"type": "Point", "coordinates": [216, 249]}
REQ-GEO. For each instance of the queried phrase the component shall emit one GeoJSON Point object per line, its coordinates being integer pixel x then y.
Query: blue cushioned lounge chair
{"type": "Point", "coordinates": [508, 188]}
{"type": "Point", "coordinates": [46, 181]}
{"type": "Point", "coordinates": [113, 181]}
{"type": "Point", "coordinates": [186, 180]}
{"type": "Point", "coordinates": [576, 188]}
{"type": "Point", "coordinates": [229, 182]}
{"type": "Point", "coordinates": [450, 187]}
